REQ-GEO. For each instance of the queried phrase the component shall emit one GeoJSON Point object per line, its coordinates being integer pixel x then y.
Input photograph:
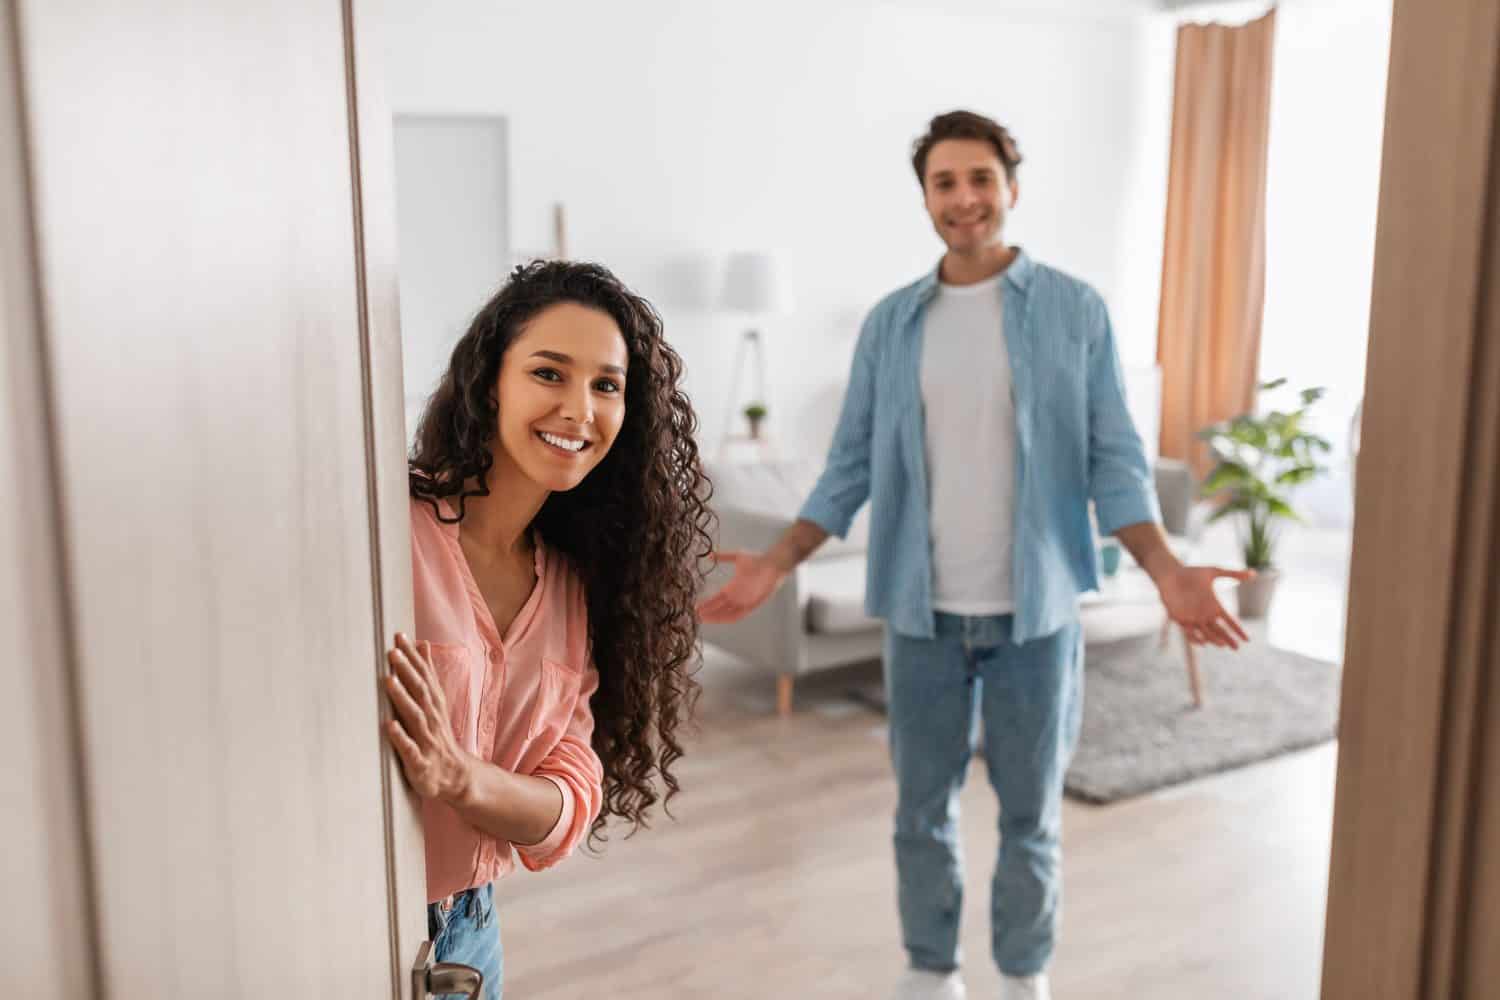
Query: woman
{"type": "Point", "coordinates": [558, 521]}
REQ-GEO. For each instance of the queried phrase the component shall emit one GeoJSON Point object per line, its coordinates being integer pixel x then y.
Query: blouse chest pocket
{"type": "Point", "coordinates": [556, 694]}
{"type": "Point", "coordinates": [453, 665]}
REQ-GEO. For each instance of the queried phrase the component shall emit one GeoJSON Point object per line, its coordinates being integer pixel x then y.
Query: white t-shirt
{"type": "Point", "coordinates": [971, 449]}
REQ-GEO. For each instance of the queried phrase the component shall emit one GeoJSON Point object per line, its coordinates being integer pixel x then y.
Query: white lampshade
{"type": "Point", "coordinates": [755, 284]}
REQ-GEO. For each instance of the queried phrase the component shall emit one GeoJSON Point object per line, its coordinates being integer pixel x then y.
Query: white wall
{"type": "Point", "coordinates": [452, 227]}
{"type": "Point", "coordinates": [1323, 183]}
{"type": "Point", "coordinates": [675, 133]}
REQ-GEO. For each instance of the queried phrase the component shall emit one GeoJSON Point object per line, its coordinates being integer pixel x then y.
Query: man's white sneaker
{"type": "Point", "coordinates": [1025, 987]}
{"type": "Point", "coordinates": [920, 984]}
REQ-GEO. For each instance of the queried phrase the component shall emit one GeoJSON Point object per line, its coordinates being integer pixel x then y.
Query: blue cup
{"type": "Point", "coordinates": [1109, 557]}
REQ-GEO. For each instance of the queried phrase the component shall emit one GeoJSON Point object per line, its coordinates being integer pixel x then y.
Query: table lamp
{"type": "Point", "coordinates": [754, 285]}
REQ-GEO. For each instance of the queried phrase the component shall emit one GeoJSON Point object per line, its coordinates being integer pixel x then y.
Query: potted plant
{"type": "Point", "coordinates": [1259, 459]}
{"type": "Point", "coordinates": [755, 413]}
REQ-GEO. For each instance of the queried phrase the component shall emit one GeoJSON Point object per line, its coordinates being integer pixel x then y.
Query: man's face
{"type": "Point", "coordinates": [966, 193]}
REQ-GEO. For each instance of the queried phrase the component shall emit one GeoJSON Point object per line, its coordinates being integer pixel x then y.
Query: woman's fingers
{"type": "Point", "coordinates": [437, 698]}
{"type": "Point", "coordinates": [424, 693]}
{"type": "Point", "coordinates": [406, 748]}
{"type": "Point", "coordinates": [416, 656]}
{"type": "Point", "coordinates": [416, 684]}
{"type": "Point", "coordinates": [423, 662]}
{"type": "Point", "coordinates": [411, 714]}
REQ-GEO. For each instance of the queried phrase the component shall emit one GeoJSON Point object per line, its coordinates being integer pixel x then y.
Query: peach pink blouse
{"type": "Point", "coordinates": [520, 701]}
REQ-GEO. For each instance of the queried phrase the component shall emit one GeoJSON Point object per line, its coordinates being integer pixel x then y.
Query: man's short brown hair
{"type": "Point", "coordinates": [965, 125]}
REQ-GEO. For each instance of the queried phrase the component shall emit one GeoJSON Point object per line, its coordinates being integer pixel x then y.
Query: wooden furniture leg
{"type": "Point", "coordinates": [1195, 681]}
{"type": "Point", "coordinates": [784, 694]}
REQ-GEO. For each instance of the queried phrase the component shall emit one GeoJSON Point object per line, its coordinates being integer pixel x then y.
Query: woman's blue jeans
{"type": "Point", "coordinates": [465, 930]}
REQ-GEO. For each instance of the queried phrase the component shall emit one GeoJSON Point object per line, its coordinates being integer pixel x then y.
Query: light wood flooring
{"type": "Point", "coordinates": [776, 880]}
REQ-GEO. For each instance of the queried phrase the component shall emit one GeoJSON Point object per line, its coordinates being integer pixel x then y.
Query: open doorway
{"type": "Point", "coordinates": [1191, 890]}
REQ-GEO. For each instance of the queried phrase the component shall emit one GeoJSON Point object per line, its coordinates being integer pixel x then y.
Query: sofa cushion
{"type": "Point", "coordinates": [834, 592]}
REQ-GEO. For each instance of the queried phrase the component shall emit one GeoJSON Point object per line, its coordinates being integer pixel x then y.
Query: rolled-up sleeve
{"type": "Point", "coordinates": [1120, 481]}
{"type": "Point", "coordinates": [844, 485]}
{"type": "Point", "coordinates": [576, 771]}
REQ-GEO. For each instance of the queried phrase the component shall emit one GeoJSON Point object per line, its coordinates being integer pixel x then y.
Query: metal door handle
{"type": "Point", "coordinates": [450, 977]}
{"type": "Point", "coordinates": [428, 979]}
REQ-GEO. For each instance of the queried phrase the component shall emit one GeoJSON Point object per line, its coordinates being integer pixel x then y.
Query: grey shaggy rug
{"type": "Point", "coordinates": [1141, 732]}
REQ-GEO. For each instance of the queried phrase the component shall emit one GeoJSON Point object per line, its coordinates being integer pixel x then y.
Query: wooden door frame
{"type": "Point", "coordinates": [1409, 907]}
{"type": "Point", "coordinates": [372, 161]}
{"type": "Point", "coordinates": [47, 906]}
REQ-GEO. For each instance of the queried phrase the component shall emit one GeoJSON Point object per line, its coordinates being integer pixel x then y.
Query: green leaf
{"type": "Point", "coordinates": [1297, 474]}
{"type": "Point", "coordinates": [1257, 489]}
{"type": "Point", "coordinates": [1259, 546]}
{"type": "Point", "coordinates": [1226, 449]}
{"type": "Point", "coordinates": [1251, 432]}
{"type": "Point", "coordinates": [1225, 474]}
{"type": "Point", "coordinates": [1280, 508]}
{"type": "Point", "coordinates": [1257, 455]}
{"type": "Point", "coordinates": [1258, 558]}
{"type": "Point", "coordinates": [1288, 449]}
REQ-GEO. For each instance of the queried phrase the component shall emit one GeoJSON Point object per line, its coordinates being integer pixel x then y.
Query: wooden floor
{"type": "Point", "coordinates": [776, 879]}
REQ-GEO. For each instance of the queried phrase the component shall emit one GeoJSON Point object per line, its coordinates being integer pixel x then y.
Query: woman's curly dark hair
{"type": "Point", "coordinates": [637, 529]}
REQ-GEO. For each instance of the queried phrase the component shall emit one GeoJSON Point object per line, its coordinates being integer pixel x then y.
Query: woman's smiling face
{"type": "Point", "coordinates": [561, 394]}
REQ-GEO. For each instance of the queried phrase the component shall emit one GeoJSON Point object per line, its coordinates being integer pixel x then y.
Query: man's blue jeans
{"type": "Point", "coordinates": [1030, 698]}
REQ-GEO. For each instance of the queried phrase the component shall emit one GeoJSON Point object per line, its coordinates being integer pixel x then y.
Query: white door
{"type": "Point", "coordinates": [210, 369]}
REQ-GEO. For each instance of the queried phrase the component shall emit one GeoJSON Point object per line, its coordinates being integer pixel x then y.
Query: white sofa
{"type": "Point", "coordinates": [817, 618]}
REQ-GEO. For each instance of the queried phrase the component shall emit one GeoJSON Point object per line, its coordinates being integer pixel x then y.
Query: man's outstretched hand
{"type": "Point", "coordinates": [755, 579]}
{"type": "Point", "coordinates": [1188, 594]}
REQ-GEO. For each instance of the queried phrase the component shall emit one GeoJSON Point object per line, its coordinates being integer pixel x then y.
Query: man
{"type": "Point", "coordinates": [985, 410]}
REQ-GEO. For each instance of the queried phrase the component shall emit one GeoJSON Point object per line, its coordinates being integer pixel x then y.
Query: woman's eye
{"type": "Point", "coordinates": [549, 374]}
{"type": "Point", "coordinates": [607, 385]}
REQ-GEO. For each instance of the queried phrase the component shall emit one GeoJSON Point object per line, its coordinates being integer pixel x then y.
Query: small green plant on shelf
{"type": "Point", "coordinates": [755, 413]}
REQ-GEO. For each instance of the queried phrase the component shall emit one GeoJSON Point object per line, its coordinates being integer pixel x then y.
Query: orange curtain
{"type": "Point", "coordinates": [1214, 261]}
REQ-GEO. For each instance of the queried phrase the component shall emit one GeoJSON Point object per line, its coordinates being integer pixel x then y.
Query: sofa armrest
{"type": "Point", "coordinates": [749, 530]}
{"type": "Point", "coordinates": [772, 636]}
{"type": "Point", "coordinates": [1177, 497]}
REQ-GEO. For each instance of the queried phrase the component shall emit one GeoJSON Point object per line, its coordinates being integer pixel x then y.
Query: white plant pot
{"type": "Point", "coordinates": [1255, 595]}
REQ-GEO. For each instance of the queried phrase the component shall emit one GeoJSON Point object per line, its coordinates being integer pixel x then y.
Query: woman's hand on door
{"type": "Point", "coordinates": [421, 733]}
